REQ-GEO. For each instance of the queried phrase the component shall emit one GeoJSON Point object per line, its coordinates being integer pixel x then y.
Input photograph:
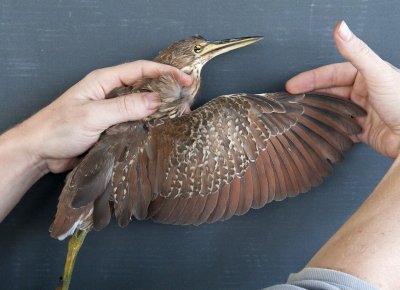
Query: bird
{"type": "Point", "coordinates": [236, 152]}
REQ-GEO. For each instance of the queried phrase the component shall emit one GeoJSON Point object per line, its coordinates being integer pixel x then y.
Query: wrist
{"type": "Point", "coordinates": [17, 146]}
{"type": "Point", "coordinates": [20, 168]}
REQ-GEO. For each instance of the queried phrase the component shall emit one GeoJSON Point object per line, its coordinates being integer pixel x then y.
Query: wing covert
{"type": "Point", "coordinates": [241, 151]}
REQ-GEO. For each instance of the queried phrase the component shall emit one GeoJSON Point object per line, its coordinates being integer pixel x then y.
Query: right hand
{"type": "Point", "coordinates": [72, 123]}
{"type": "Point", "coordinates": [368, 81]}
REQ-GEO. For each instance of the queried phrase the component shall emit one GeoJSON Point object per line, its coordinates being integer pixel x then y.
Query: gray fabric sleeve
{"type": "Point", "coordinates": [322, 279]}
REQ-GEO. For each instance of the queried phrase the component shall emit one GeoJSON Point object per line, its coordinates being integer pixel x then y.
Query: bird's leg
{"type": "Point", "coordinates": [74, 244]}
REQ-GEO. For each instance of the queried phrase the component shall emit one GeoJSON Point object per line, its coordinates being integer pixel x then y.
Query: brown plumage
{"type": "Point", "coordinates": [237, 152]}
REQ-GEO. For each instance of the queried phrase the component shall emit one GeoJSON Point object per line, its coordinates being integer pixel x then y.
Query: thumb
{"type": "Point", "coordinates": [371, 66]}
{"type": "Point", "coordinates": [124, 108]}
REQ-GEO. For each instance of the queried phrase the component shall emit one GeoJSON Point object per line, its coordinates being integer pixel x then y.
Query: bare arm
{"type": "Point", "coordinates": [51, 139]}
{"type": "Point", "coordinates": [19, 169]}
{"type": "Point", "coordinates": [367, 245]}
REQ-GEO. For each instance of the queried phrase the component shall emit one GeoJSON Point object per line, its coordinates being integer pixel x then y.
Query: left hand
{"type": "Point", "coordinates": [368, 81]}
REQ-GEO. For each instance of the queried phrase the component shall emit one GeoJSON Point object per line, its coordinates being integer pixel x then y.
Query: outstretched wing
{"type": "Point", "coordinates": [235, 153]}
{"type": "Point", "coordinates": [238, 152]}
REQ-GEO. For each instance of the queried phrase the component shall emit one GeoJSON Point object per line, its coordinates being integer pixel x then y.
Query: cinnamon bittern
{"type": "Point", "coordinates": [236, 152]}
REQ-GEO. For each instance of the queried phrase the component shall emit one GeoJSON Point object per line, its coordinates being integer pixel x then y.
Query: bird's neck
{"type": "Point", "coordinates": [175, 99]}
{"type": "Point", "coordinates": [195, 87]}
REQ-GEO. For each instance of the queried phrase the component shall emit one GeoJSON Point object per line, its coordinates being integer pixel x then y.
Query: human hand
{"type": "Point", "coordinates": [73, 123]}
{"type": "Point", "coordinates": [368, 81]}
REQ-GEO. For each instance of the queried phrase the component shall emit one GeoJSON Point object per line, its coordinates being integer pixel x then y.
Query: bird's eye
{"type": "Point", "coordinates": [198, 48]}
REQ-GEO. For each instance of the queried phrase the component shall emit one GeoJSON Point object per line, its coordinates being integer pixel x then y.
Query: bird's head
{"type": "Point", "coordinates": [193, 53]}
{"type": "Point", "coordinates": [190, 55]}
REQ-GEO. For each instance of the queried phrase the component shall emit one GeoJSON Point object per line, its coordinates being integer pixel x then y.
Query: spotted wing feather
{"type": "Point", "coordinates": [241, 151]}
{"type": "Point", "coordinates": [235, 153]}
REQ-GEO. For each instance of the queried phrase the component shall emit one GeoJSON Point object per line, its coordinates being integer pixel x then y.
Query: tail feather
{"type": "Point", "coordinates": [85, 187]}
{"type": "Point", "coordinates": [102, 209]}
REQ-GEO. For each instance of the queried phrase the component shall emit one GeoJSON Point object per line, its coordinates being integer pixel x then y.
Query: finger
{"type": "Point", "coordinates": [187, 109]}
{"type": "Point", "coordinates": [360, 137]}
{"type": "Point", "coordinates": [353, 49]}
{"type": "Point", "coordinates": [354, 138]}
{"type": "Point", "coordinates": [102, 81]}
{"type": "Point", "coordinates": [150, 69]}
{"type": "Point", "coordinates": [332, 75]}
{"type": "Point", "coordinates": [343, 92]}
{"type": "Point", "coordinates": [105, 113]}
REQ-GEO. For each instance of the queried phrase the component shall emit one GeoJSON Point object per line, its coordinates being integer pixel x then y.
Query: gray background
{"type": "Point", "coordinates": [47, 46]}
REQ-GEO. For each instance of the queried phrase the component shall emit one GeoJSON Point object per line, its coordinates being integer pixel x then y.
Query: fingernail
{"type": "Point", "coordinates": [344, 31]}
{"type": "Point", "coordinates": [152, 101]}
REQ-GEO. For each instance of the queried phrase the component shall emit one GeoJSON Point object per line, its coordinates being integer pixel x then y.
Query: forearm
{"type": "Point", "coordinates": [367, 245]}
{"type": "Point", "coordinates": [19, 168]}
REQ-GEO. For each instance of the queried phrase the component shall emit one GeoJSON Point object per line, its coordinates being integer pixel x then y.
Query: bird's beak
{"type": "Point", "coordinates": [214, 48]}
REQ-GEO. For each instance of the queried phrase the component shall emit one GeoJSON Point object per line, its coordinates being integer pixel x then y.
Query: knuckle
{"type": "Point", "coordinates": [334, 77]}
{"type": "Point", "coordinates": [314, 79]}
{"type": "Point", "coordinates": [124, 105]}
{"type": "Point", "coordinates": [364, 49]}
{"type": "Point", "coordinates": [140, 62]}
{"type": "Point", "coordinates": [95, 74]}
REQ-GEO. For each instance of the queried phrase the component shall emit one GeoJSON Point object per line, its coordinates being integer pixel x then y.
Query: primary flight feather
{"type": "Point", "coordinates": [236, 152]}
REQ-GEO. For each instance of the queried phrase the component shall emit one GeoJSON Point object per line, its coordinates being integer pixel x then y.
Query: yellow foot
{"type": "Point", "coordinates": [74, 244]}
